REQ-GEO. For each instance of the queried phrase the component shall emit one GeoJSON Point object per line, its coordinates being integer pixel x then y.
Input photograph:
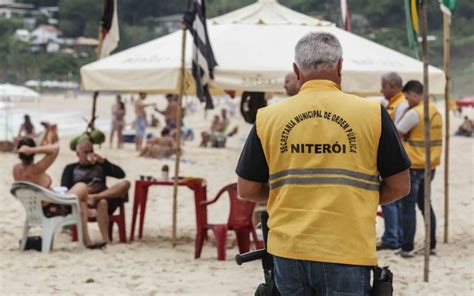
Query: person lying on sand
{"type": "Point", "coordinates": [160, 147]}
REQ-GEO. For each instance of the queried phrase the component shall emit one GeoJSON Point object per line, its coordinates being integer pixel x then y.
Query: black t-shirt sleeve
{"type": "Point", "coordinates": [67, 179]}
{"type": "Point", "coordinates": [252, 164]}
{"type": "Point", "coordinates": [392, 157]}
{"type": "Point", "coordinates": [113, 170]}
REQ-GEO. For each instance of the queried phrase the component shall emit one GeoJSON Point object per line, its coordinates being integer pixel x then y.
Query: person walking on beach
{"type": "Point", "coordinates": [392, 237]}
{"type": "Point", "coordinates": [140, 120]}
{"type": "Point", "coordinates": [118, 121]}
{"type": "Point", "coordinates": [315, 158]}
{"type": "Point", "coordinates": [412, 129]}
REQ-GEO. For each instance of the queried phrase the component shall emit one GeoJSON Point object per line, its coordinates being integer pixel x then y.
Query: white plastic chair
{"type": "Point", "coordinates": [32, 196]}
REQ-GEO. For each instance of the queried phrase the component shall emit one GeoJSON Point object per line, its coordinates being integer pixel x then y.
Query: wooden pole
{"type": "Point", "coordinates": [447, 33]}
{"type": "Point", "coordinates": [94, 107]}
{"type": "Point", "coordinates": [178, 134]}
{"type": "Point", "coordinates": [426, 120]}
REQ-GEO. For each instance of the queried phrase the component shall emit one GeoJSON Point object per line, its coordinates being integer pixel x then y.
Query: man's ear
{"type": "Point", "coordinates": [297, 71]}
{"type": "Point", "coordinates": [339, 67]}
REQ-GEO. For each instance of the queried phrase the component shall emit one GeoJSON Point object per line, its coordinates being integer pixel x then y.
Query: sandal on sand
{"type": "Point", "coordinates": [97, 245]}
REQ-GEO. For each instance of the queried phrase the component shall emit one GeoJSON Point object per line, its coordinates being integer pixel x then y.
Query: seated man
{"type": "Point", "coordinates": [92, 169]}
{"type": "Point", "coordinates": [219, 131]}
{"type": "Point", "coordinates": [206, 135]}
{"type": "Point", "coordinates": [160, 147]}
{"type": "Point", "coordinates": [466, 128]}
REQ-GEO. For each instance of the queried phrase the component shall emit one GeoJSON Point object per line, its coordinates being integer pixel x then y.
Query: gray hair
{"type": "Point", "coordinates": [393, 78]}
{"type": "Point", "coordinates": [318, 51]}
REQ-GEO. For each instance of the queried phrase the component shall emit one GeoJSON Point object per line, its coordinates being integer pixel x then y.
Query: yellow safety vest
{"type": "Point", "coordinates": [321, 149]}
{"type": "Point", "coordinates": [415, 143]}
{"type": "Point", "coordinates": [394, 102]}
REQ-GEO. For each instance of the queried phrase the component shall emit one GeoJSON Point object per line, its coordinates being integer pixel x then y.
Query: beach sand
{"type": "Point", "coordinates": [152, 267]}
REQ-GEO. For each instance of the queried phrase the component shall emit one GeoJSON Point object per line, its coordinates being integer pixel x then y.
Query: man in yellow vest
{"type": "Point", "coordinates": [392, 85]}
{"type": "Point", "coordinates": [411, 128]}
{"type": "Point", "coordinates": [392, 237]}
{"type": "Point", "coordinates": [323, 160]}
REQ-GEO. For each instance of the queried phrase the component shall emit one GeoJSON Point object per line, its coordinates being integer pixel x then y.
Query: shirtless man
{"type": "Point", "coordinates": [171, 111]}
{"type": "Point", "coordinates": [140, 121]}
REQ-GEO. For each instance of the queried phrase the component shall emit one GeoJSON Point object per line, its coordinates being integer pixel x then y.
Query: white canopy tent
{"type": "Point", "coordinates": [254, 47]}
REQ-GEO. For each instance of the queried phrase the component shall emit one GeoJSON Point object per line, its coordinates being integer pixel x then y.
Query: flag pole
{"type": "Point", "coordinates": [426, 120]}
{"type": "Point", "coordinates": [178, 133]}
{"type": "Point", "coordinates": [447, 33]}
{"type": "Point", "coordinates": [96, 93]}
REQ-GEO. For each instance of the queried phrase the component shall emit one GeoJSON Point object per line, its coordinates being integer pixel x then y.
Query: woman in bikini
{"type": "Point", "coordinates": [118, 122]}
{"type": "Point", "coordinates": [27, 129]}
{"type": "Point", "coordinates": [35, 172]}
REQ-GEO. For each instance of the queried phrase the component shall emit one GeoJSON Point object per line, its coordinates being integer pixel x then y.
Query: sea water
{"type": "Point", "coordinates": [69, 123]}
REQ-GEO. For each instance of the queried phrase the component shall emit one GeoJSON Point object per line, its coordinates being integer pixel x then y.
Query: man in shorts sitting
{"type": "Point", "coordinates": [92, 169]}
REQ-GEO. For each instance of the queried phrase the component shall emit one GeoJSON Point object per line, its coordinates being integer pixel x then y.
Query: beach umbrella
{"type": "Point", "coordinates": [15, 91]}
{"type": "Point", "coordinates": [465, 102]}
{"type": "Point", "coordinates": [7, 93]}
{"type": "Point", "coordinates": [254, 48]}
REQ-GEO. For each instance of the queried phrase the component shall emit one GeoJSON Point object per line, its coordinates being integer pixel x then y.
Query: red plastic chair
{"type": "Point", "coordinates": [117, 218]}
{"type": "Point", "coordinates": [240, 221]}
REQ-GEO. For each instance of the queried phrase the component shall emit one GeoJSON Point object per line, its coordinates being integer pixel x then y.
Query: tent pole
{"type": "Point", "coordinates": [94, 107]}
{"type": "Point", "coordinates": [178, 134]}
{"type": "Point", "coordinates": [446, 22]}
{"type": "Point", "coordinates": [426, 120]}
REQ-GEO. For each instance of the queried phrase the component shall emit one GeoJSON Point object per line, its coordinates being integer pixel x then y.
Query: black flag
{"type": "Point", "coordinates": [203, 57]}
{"type": "Point", "coordinates": [109, 30]}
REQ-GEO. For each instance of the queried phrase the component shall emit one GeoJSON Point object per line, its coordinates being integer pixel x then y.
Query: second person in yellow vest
{"type": "Point", "coordinates": [412, 130]}
{"type": "Point", "coordinates": [391, 88]}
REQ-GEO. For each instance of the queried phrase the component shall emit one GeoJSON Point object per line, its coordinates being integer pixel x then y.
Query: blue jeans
{"type": "Point", "coordinates": [416, 196]}
{"type": "Point", "coordinates": [301, 277]}
{"type": "Point", "coordinates": [392, 214]}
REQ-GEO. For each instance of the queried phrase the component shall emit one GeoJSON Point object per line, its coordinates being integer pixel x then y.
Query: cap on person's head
{"type": "Point", "coordinates": [318, 51]}
{"type": "Point", "coordinates": [413, 86]}
{"type": "Point", "coordinates": [26, 141]}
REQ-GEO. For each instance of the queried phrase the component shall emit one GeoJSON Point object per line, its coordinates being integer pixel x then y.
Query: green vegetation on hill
{"type": "Point", "coordinates": [380, 21]}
